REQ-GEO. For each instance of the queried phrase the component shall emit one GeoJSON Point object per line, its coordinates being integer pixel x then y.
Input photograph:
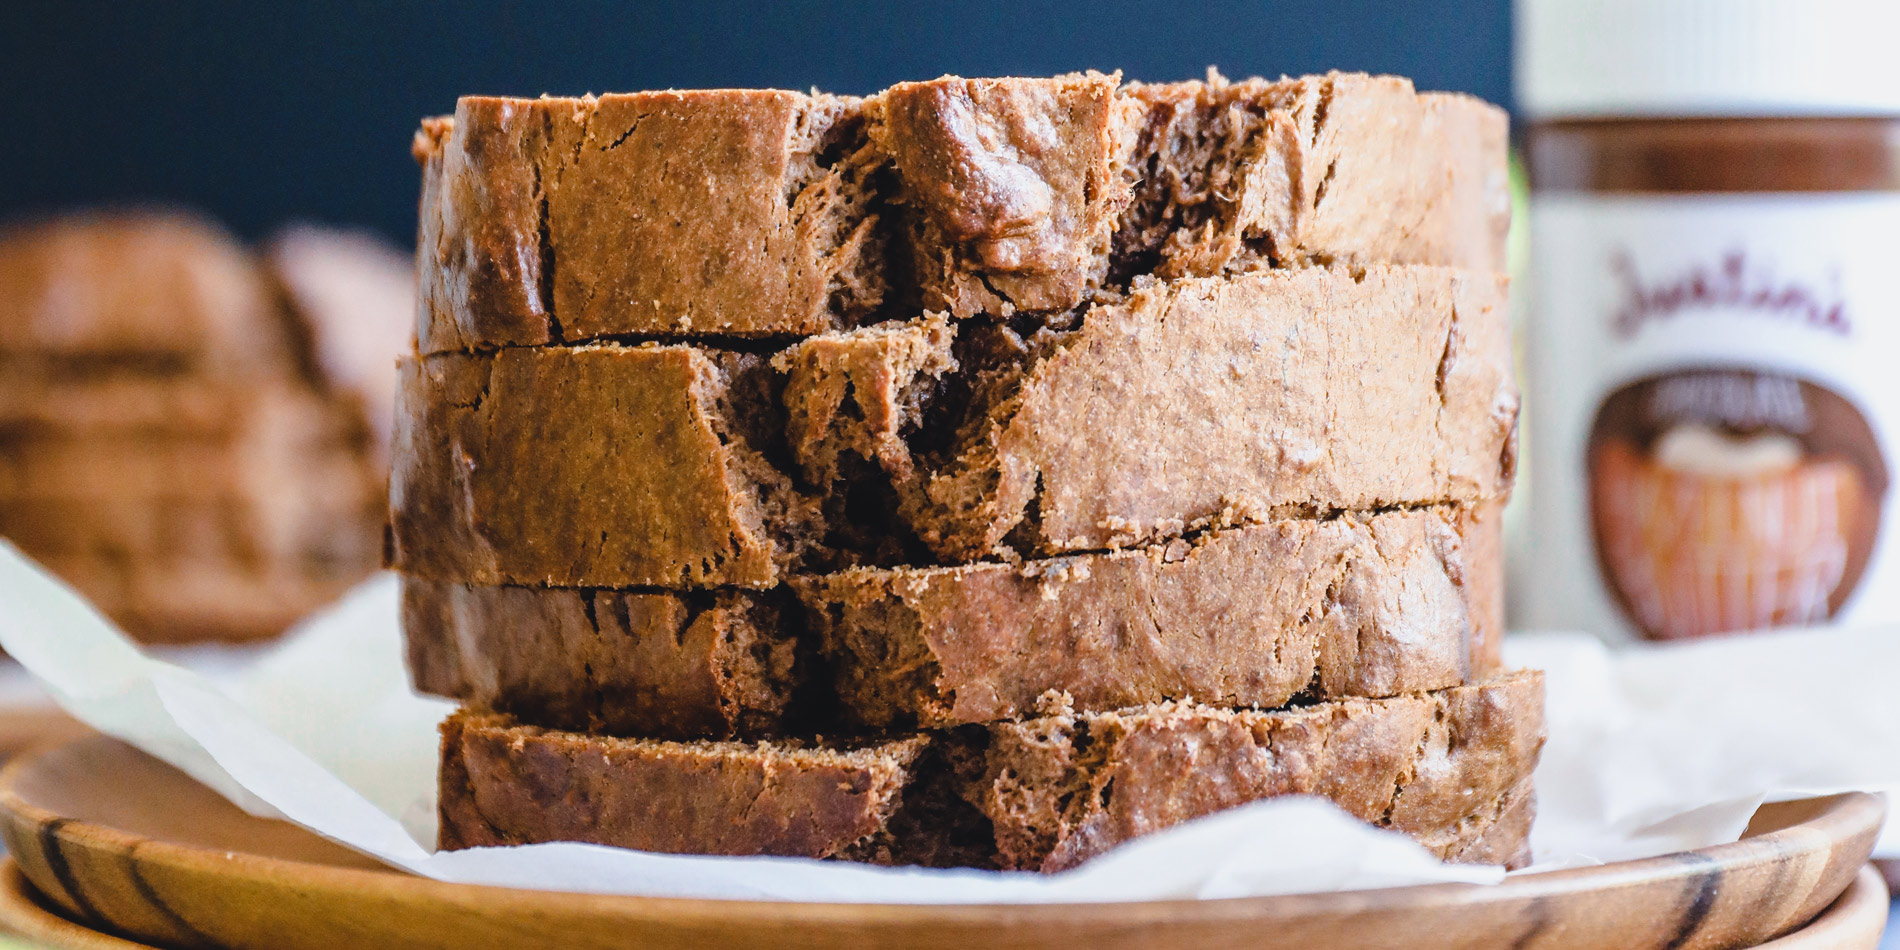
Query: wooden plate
{"type": "Point", "coordinates": [122, 842]}
{"type": "Point", "coordinates": [23, 912]}
{"type": "Point", "coordinates": [1855, 921]}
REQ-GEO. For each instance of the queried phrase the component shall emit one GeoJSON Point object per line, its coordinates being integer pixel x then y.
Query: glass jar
{"type": "Point", "coordinates": [1713, 353]}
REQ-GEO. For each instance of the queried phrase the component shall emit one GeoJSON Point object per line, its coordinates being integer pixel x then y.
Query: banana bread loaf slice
{"type": "Point", "coordinates": [195, 597]}
{"type": "Point", "coordinates": [1193, 402]}
{"type": "Point", "coordinates": [155, 293]}
{"type": "Point", "coordinates": [731, 212]}
{"type": "Point", "coordinates": [1356, 605]}
{"type": "Point", "coordinates": [1451, 768]}
{"type": "Point", "coordinates": [569, 219]}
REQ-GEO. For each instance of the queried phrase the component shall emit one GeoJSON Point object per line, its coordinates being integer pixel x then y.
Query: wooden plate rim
{"type": "Point", "coordinates": [1838, 818]}
{"type": "Point", "coordinates": [1863, 906]}
{"type": "Point", "coordinates": [23, 913]}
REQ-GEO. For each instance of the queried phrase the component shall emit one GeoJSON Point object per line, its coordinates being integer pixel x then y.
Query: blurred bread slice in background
{"type": "Point", "coordinates": [191, 434]}
{"type": "Point", "coordinates": [356, 294]}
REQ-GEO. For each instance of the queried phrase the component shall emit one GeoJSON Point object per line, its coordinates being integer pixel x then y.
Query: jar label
{"type": "Point", "coordinates": [1712, 385]}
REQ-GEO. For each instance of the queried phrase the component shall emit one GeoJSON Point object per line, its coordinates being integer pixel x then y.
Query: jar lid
{"type": "Point", "coordinates": [1600, 58]}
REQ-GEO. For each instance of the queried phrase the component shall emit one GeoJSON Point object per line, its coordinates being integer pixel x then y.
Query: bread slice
{"type": "Point", "coordinates": [1451, 768]}
{"type": "Point", "coordinates": [259, 474]}
{"type": "Point", "coordinates": [615, 466]}
{"type": "Point", "coordinates": [83, 296]}
{"type": "Point", "coordinates": [338, 530]}
{"type": "Point", "coordinates": [556, 219]}
{"type": "Point", "coordinates": [258, 432]}
{"type": "Point", "coordinates": [145, 406]}
{"type": "Point", "coordinates": [1357, 605]}
{"type": "Point", "coordinates": [561, 218]}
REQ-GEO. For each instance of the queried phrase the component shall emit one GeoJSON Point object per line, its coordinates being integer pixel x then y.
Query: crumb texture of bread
{"type": "Point", "coordinates": [1013, 185]}
{"type": "Point", "coordinates": [859, 393]}
{"type": "Point", "coordinates": [1335, 169]}
{"type": "Point", "coordinates": [1315, 387]}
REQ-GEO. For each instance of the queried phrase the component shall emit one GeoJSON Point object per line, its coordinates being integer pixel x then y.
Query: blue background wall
{"type": "Point", "coordinates": [261, 112]}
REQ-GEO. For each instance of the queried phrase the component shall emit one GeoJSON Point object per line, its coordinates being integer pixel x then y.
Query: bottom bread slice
{"type": "Point", "coordinates": [1451, 768]}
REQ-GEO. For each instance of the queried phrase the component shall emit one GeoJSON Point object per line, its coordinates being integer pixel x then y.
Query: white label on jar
{"type": "Point", "coordinates": [1712, 389]}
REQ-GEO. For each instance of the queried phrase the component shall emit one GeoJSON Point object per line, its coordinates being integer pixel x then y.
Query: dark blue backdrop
{"type": "Point", "coordinates": [265, 111]}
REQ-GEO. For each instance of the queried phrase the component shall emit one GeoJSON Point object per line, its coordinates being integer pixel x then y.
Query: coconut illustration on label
{"type": "Point", "coordinates": [1729, 499]}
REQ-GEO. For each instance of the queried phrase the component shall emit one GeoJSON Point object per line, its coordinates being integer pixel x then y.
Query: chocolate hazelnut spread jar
{"type": "Point", "coordinates": [1713, 353]}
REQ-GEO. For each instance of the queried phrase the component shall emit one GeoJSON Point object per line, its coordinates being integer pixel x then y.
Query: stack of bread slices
{"type": "Point", "coordinates": [982, 473]}
{"type": "Point", "coordinates": [169, 442]}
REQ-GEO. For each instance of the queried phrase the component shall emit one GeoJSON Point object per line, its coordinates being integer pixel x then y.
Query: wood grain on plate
{"type": "Point", "coordinates": [120, 841]}
{"type": "Point", "coordinates": [24, 913]}
{"type": "Point", "coordinates": [1854, 921]}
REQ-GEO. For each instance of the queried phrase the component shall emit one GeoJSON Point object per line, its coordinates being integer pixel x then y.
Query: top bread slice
{"type": "Point", "coordinates": [571, 219]}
